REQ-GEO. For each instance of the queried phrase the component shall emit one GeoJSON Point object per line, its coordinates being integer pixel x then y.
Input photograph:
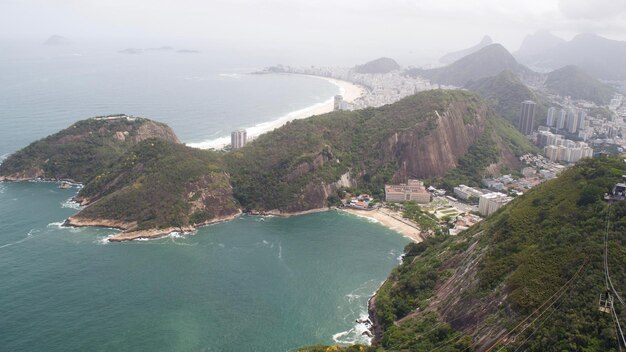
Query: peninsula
{"type": "Point", "coordinates": [139, 178]}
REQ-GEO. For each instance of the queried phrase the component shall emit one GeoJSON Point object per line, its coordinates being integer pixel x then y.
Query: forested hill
{"type": "Point", "coordinates": [138, 177]}
{"type": "Point", "coordinates": [527, 278]}
{"type": "Point", "coordinates": [506, 92]}
{"type": "Point", "coordinates": [573, 81]}
{"type": "Point", "coordinates": [450, 135]}
{"type": "Point", "coordinates": [82, 150]}
{"type": "Point", "coordinates": [488, 61]}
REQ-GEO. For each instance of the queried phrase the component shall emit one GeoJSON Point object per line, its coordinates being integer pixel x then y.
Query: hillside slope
{"type": "Point", "coordinates": [602, 58]}
{"type": "Point", "coordinates": [535, 45]}
{"type": "Point", "coordinates": [506, 92]}
{"type": "Point", "coordinates": [82, 150]}
{"type": "Point", "coordinates": [455, 55]}
{"type": "Point", "coordinates": [378, 66]}
{"type": "Point", "coordinates": [573, 81]}
{"type": "Point", "coordinates": [158, 185]}
{"type": "Point", "coordinates": [539, 261]}
{"type": "Point", "coordinates": [298, 166]}
{"type": "Point", "coordinates": [488, 61]}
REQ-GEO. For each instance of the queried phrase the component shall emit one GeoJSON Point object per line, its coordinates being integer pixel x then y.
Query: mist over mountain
{"type": "Point", "coordinates": [455, 55]}
{"type": "Point", "coordinates": [381, 65]}
{"type": "Point", "coordinates": [488, 61]}
{"type": "Point", "coordinates": [602, 58]}
{"type": "Point", "coordinates": [574, 82]}
{"type": "Point", "coordinates": [535, 45]}
{"type": "Point", "coordinates": [57, 40]}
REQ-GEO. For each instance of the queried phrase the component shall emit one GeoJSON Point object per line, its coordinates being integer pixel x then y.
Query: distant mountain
{"type": "Point", "coordinates": [506, 92]}
{"type": "Point", "coordinates": [453, 56]}
{"type": "Point", "coordinates": [188, 51]}
{"type": "Point", "coordinates": [600, 57]}
{"type": "Point", "coordinates": [382, 65]}
{"type": "Point", "coordinates": [574, 82]}
{"type": "Point", "coordinates": [488, 61]}
{"type": "Point", "coordinates": [535, 45]}
{"type": "Point", "coordinates": [131, 51]}
{"type": "Point", "coordinates": [57, 40]}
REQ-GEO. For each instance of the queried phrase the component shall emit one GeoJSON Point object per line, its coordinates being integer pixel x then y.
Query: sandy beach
{"type": "Point", "coordinates": [390, 220]}
{"type": "Point", "coordinates": [350, 93]}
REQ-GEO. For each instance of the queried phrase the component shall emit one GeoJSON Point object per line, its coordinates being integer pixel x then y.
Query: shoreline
{"type": "Point", "coordinates": [125, 235]}
{"type": "Point", "coordinates": [389, 221]}
{"type": "Point", "coordinates": [350, 92]}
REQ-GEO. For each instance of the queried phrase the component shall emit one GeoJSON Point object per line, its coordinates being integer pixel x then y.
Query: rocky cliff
{"type": "Point", "coordinates": [299, 166]}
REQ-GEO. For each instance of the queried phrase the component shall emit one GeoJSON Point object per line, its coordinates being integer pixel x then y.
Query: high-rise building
{"type": "Point", "coordinates": [551, 119]}
{"type": "Point", "coordinates": [337, 102]}
{"type": "Point", "coordinates": [238, 139]}
{"type": "Point", "coordinates": [527, 117]}
{"type": "Point", "coordinates": [582, 115]}
{"type": "Point", "coordinates": [572, 121]}
{"type": "Point", "coordinates": [560, 121]}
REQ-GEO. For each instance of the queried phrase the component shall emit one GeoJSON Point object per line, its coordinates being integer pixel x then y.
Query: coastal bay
{"type": "Point", "coordinates": [259, 283]}
{"type": "Point", "coordinates": [350, 92]}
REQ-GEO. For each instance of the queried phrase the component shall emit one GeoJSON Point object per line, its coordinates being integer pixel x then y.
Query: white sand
{"type": "Point", "coordinates": [391, 220]}
{"type": "Point", "coordinates": [349, 91]}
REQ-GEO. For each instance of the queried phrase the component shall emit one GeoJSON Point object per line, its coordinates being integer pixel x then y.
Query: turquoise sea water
{"type": "Point", "coordinates": [253, 284]}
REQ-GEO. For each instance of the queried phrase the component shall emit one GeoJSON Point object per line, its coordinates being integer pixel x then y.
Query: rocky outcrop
{"type": "Point", "coordinates": [420, 156]}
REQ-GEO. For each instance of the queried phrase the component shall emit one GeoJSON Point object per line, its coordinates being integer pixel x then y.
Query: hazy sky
{"type": "Point", "coordinates": [310, 31]}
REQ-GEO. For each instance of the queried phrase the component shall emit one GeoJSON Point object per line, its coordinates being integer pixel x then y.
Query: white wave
{"type": "Point", "coordinates": [355, 334]}
{"type": "Point", "coordinates": [365, 217]}
{"type": "Point", "coordinates": [280, 251]}
{"type": "Point", "coordinates": [104, 240]}
{"type": "Point", "coordinates": [221, 245]}
{"type": "Point", "coordinates": [71, 204]}
{"type": "Point", "coordinates": [29, 235]}
{"type": "Point", "coordinates": [58, 225]}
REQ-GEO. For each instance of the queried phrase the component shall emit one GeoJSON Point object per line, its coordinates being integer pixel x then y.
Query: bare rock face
{"type": "Point", "coordinates": [437, 152]}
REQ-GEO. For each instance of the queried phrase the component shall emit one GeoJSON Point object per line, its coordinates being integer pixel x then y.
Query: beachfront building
{"type": "Point", "coordinates": [490, 202]}
{"type": "Point", "coordinates": [412, 191]}
{"type": "Point", "coordinates": [238, 139]}
{"type": "Point", "coordinates": [340, 104]}
{"type": "Point", "coordinates": [464, 192]}
{"type": "Point", "coordinates": [337, 102]}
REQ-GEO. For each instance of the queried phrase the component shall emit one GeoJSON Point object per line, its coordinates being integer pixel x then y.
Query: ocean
{"type": "Point", "coordinates": [252, 284]}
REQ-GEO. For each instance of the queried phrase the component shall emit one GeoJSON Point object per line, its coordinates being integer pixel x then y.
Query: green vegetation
{"type": "Point", "coordinates": [297, 167]}
{"type": "Point", "coordinates": [426, 221]}
{"type": "Point", "coordinates": [457, 293]}
{"type": "Point", "coordinates": [275, 170]}
{"type": "Point", "coordinates": [499, 135]}
{"type": "Point", "coordinates": [81, 151]}
{"type": "Point", "coordinates": [159, 184]}
{"type": "Point", "coordinates": [506, 93]}
{"type": "Point", "coordinates": [573, 81]}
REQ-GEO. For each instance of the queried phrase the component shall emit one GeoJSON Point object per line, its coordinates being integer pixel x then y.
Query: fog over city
{"type": "Point", "coordinates": [308, 31]}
